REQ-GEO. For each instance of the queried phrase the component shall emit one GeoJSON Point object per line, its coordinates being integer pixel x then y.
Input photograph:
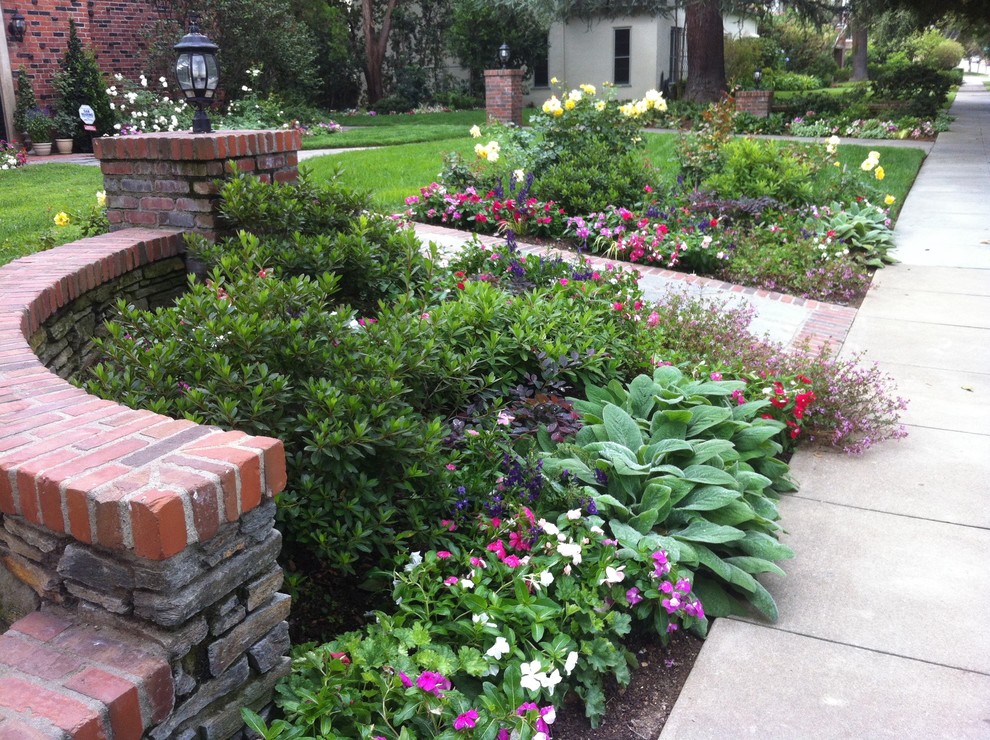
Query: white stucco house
{"type": "Point", "coordinates": [634, 53]}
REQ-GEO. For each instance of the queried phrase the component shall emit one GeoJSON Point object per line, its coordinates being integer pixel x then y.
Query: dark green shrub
{"type": "Point", "coordinates": [24, 101]}
{"type": "Point", "coordinates": [922, 89]}
{"type": "Point", "coordinates": [581, 188]}
{"type": "Point", "coordinates": [394, 104]}
{"type": "Point", "coordinates": [80, 82]}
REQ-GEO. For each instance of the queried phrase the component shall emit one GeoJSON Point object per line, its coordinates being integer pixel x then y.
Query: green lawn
{"type": "Point", "coordinates": [393, 173]}
{"type": "Point", "coordinates": [31, 196]}
{"type": "Point", "coordinates": [365, 130]}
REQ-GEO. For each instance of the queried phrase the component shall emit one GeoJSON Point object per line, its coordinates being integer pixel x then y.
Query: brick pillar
{"type": "Point", "coordinates": [757, 102]}
{"type": "Point", "coordinates": [503, 95]}
{"type": "Point", "coordinates": [167, 180]}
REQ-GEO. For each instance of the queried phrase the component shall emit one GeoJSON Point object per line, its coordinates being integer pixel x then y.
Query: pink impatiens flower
{"type": "Point", "coordinates": [432, 682]}
{"type": "Point", "coordinates": [467, 720]}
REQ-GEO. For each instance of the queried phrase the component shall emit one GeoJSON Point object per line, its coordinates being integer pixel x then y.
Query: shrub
{"type": "Point", "coordinates": [25, 101]}
{"type": "Point", "coordinates": [855, 407]}
{"type": "Point", "coordinates": [922, 89]}
{"type": "Point", "coordinates": [756, 169]}
{"type": "Point", "coordinates": [78, 82]}
{"type": "Point", "coordinates": [793, 81]}
{"type": "Point", "coordinates": [691, 467]}
{"type": "Point", "coordinates": [700, 150]}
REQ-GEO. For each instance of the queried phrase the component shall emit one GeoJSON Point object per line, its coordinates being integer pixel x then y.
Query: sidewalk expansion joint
{"type": "Point", "coordinates": [889, 513]}
{"type": "Point", "coordinates": [862, 647]}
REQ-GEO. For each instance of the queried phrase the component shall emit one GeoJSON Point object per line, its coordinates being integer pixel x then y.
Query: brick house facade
{"type": "Point", "coordinates": [114, 30]}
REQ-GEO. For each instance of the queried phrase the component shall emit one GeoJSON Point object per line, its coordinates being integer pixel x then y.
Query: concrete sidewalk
{"type": "Point", "coordinates": [885, 609]}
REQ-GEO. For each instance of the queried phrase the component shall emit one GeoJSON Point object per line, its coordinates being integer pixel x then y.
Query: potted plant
{"type": "Point", "coordinates": [65, 126]}
{"type": "Point", "coordinates": [38, 124]}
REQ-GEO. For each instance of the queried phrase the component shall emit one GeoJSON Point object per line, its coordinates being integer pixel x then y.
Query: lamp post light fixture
{"type": "Point", "coordinates": [16, 27]}
{"type": "Point", "coordinates": [197, 73]}
{"type": "Point", "coordinates": [504, 54]}
{"type": "Point", "coordinates": [757, 76]}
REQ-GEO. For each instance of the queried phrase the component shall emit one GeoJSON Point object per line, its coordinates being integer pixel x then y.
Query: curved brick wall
{"type": "Point", "coordinates": [148, 542]}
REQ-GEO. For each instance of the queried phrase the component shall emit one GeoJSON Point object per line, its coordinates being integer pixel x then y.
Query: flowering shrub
{"type": "Point", "coordinates": [509, 613]}
{"type": "Point", "coordinates": [855, 405]}
{"type": "Point", "coordinates": [11, 157]}
{"type": "Point", "coordinates": [500, 209]}
{"type": "Point", "coordinates": [140, 109]}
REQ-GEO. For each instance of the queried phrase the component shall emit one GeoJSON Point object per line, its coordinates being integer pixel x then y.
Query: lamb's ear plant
{"type": "Point", "coordinates": [680, 462]}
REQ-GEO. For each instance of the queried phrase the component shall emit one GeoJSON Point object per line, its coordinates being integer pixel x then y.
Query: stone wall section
{"type": "Point", "coordinates": [148, 542]}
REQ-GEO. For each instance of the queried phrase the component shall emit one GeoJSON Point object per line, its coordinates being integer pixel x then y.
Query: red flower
{"type": "Point", "coordinates": [460, 286]}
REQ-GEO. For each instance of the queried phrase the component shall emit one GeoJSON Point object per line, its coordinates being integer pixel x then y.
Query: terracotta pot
{"type": "Point", "coordinates": [64, 146]}
{"type": "Point", "coordinates": [42, 150]}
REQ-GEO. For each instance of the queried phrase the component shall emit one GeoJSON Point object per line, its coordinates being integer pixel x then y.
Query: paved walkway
{"type": "Point", "coordinates": [884, 627]}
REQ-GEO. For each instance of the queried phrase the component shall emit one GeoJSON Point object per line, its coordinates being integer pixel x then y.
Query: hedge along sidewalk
{"type": "Point", "coordinates": [786, 319]}
{"type": "Point", "coordinates": [119, 513]}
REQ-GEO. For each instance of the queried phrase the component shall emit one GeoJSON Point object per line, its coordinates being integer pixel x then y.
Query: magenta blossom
{"type": "Point", "coordinates": [432, 682]}
{"type": "Point", "coordinates": [406, 681]}
{"type": "Point", "coordinates": [633, 597]}
{"type": "Point", "coordinates": [467, 720]}
{"type": "Point", "coordinates": [443, 554]}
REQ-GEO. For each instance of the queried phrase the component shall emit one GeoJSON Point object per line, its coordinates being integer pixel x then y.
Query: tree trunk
{"type": "Point", "coordinates": [859, 37]}
{"type": "Point", "coordinates": [375, 45]}
{"type": "Point", "coordinates": [705, 51]}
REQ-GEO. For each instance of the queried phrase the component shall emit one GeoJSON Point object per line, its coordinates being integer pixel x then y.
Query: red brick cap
{"type": "Point", "coordinates": [104, 474]}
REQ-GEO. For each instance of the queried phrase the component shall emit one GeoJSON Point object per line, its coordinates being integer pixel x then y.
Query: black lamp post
{"type": "Point", "coordinates": [504, 54]}
{"type": "Point", "coordinates": [197, 72]}
{"type": "Point", "coordinates": [16, 27]}
{"type": "Point", "coordinates": [757, 76]}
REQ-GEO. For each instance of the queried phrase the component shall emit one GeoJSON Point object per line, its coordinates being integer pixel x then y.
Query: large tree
{"type": "Point", "coordinates": [376, 25]}
{"type": "Point", "coordinates": [705, 51]}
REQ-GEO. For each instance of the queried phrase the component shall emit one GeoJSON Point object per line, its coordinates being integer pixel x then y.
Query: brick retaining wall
{"type": "Point", "coordinates": [149, 543]}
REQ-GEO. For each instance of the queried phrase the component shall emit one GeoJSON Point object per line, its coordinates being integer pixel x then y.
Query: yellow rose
{"type": "Point", "coordinates": [588, 89]}
{"type": "Point", "coordinates": [875, 156]}
{"type": "Point", "coordinates": [879, 173]}
{"type": "Point", "coordinates": [600, 106]}
{"type": "Point", "coordinates": [559, 112]}
{"type": "Point", "coordinates": [475, 132]}
{"type": "Point", "coordinates": [553, 80]}
{"type": "Point", "coordinates": [569, 104]}
{"type": "Point", "coordinates": [101, 198]}
{"type": "Point", "coordinates": [889, 200]}
{"type": "Point", "coordinates": [62, 218]}
{"type": "Point", "coordinates": [480, 150]}
{"type": "Point", "coordinates": [868, 164]}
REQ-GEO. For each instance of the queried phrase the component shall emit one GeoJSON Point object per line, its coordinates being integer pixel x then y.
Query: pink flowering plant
{"type": "Point", "coordinates": [11, 157]}
{"type": "Point", "coordinates": [492, 630]}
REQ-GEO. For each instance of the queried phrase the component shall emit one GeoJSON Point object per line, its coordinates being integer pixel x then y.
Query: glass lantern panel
{"type": "Point", "coordinates": [199, 73]}
{"type": "Point", "coordinates": [212, 75]}
{"type": "Point", "coordinates": [183, 73]}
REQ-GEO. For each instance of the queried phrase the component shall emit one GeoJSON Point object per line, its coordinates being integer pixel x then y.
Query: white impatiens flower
{"type": "Point", "coordinates": [483, 619]}
{"type": "Point", "coordinates": [570, 662]}
{"type": "Point", "coordinates": [415, 558]}
{"type": "Point", "coordinates": [499, 649]}
{"type": "Point", "coordinates": [570, 550]}
{"type": "Point", "coordinates": [550, 529]}
{"type": "Point", "coordinates": [574, 514]}
{"type": "Point", "coordinates": [546, 578]}
{"type": "Point", "coordinates": [549, 682]}
{"type": "Point", "coordinates": [595, 529]}
{"type": "Point", "coordinates": [519, 175]}
{"type": "Point", "coordinates": [529, 679]}
{"type": "Point", "coordinates": [613, 575]}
